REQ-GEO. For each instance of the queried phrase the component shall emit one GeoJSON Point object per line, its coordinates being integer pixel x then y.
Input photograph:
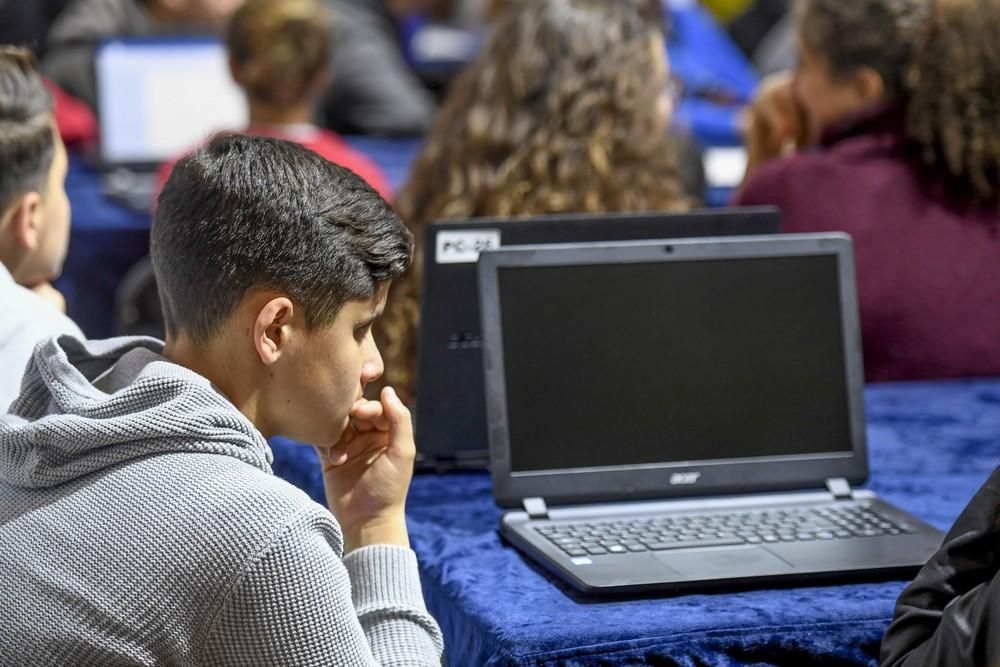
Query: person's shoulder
{"type": "Point", "coordinates": [804, 162]}
{"type": "Point", "coordinates": [30, 314]}
{"type": "Point", "coordinates": [810, 174]}
{"type": "Point", "coordinates": [88, 20]}
{"type": "Point", "coordinates": [238, 505]}
{"type": "Point", "coordinates": [768, 183]}
{"type": "Point", "coordinates": [249, 485]}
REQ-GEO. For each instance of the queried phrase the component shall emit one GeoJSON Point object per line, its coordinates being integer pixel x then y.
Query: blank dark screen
{"type": "Point", "coordinates": [685, 360]}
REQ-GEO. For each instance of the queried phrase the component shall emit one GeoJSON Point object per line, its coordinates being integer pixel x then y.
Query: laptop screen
{"type": "Point", "coordinates": [160, 97]}
{"type": "Point", "coordinates": [624, 364]}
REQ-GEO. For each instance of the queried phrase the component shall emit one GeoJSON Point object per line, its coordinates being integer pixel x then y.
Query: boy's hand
{"type": "Point", "coordinates": [367, 473]}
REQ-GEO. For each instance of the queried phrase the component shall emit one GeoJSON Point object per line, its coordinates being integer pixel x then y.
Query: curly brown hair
{"type": "Point", "coordinates": [940, 63]}
{"type": "Point", "coordinates": [563, 111]}
{"type": "Point", "coordinates": [851, 34]}
{"type": "Point", "coordinates": [953, 106]}
{"type": "Point", "coordinates": [281, 48]}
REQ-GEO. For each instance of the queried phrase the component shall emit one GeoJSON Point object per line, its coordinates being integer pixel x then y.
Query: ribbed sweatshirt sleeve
{"type": "Point", "coordinates": [293, 605]}
{"type": "Point", "coordinates": [390, 605]}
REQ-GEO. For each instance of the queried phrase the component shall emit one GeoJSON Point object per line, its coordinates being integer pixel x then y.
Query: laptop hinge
{"type": "Point", "coordinates": [535, 507]}
{"type": "Point", "coordinates": [840, 488]}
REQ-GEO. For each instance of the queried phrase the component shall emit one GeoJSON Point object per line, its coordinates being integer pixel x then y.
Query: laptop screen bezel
{"type": "Point", "coordinates": [669, 480]}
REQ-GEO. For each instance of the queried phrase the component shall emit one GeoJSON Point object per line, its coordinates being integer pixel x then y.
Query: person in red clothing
{"type": "Point", "coordinates": [898, 104]}
{"type": "Point", "coordinates": [279, 51]}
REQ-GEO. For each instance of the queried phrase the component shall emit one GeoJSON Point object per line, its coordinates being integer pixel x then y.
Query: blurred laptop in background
{"type": "Point", "coordinates": [158, 97]}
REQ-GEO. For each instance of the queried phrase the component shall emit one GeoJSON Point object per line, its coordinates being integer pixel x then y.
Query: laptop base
{"type": "Point", "coordinates": [669, 569]}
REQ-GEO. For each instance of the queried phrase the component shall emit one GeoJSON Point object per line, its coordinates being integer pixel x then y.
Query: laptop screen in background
{"type": "Point", "coordinates": [159, 98]}
{"type": "Point", "coordinates": [626, 364]}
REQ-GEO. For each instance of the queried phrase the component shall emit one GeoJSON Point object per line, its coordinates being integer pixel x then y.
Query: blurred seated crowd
{"type": "Point", "coordinates": [879, 118]}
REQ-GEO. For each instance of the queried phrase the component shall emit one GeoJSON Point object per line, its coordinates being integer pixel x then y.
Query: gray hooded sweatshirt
{"type": "Point", "coordinates": [140, 524]}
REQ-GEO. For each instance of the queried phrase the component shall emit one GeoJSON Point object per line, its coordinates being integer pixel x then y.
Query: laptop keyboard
{"type": "Point", "coordinates": [660, 533]}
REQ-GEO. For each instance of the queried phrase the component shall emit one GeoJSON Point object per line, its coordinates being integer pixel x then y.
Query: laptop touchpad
{"type": "Point", "coordinates": [724, 563]}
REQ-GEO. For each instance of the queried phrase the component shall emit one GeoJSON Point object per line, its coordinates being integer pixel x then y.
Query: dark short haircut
{"type": "Point", "coordinates": [248, 213]}
{"type": "Point", "coordinates": [27, 139]}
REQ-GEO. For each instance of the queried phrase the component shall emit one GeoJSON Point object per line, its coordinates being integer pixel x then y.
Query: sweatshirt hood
{"type": "Point", "coordinates": [89, 405]}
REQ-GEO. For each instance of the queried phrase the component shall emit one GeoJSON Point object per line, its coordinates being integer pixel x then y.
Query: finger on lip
{"type": "Point", "coordinates": [367, 410]}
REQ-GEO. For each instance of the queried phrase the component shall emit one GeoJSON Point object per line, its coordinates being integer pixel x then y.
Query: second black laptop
{"type": "Point", "coordinates": [451, 409]}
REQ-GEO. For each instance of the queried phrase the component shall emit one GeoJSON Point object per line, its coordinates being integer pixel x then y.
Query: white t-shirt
{"type": "Point", "coordinates": [25, 319]}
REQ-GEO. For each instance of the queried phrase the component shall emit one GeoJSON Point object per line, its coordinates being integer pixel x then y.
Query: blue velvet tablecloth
{"type": "Point", "coordinates": [931, 446]}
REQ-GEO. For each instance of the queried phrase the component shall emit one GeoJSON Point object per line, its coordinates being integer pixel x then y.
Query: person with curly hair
{"type": "Point", "coordinates": [950, 614]}
{"type": "Point", "coordinates": [564, 110]}
{"type": "Point", "coordinates": [892, 122]}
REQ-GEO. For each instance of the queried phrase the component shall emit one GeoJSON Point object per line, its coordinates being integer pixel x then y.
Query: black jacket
{"type": "Point", "coordinates": [950, 614]}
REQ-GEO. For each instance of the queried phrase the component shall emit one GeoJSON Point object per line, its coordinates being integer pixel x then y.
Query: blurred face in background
{"type": "Point", "coordinates": [827, 98]}
{"type": "Point", "coordinates": [214, 13]}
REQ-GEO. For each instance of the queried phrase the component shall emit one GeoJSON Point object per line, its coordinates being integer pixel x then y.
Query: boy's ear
{"type": "Point", "coordinates": [272, 330]}
{"type": "Point", "coordinates": [22, 223]}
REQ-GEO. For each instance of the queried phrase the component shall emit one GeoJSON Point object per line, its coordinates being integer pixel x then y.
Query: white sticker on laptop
{"type": "Point", "coordinates": [462, 246]}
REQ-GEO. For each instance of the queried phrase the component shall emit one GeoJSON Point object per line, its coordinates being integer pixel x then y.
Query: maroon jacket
{"type": "Point", "coordinates": [928, 266]}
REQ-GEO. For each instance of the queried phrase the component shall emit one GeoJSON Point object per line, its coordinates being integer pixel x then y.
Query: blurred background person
{"type": "Point", "coordinates": [279, 54]}
{"type": "Point", "coordinates": [897, 101]}
{"type": "Point", "coordinates": [373, 89]}
{"type": "Point", "coordinates": [34, 218]}
{"type": "Point", "coordinates": [566, 109]}
{"type": "Point", "coordinates": [26, 23]}
{"type": "Point", "coordinates": [69, 58]}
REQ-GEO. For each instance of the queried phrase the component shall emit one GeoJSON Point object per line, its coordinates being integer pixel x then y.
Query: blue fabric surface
{"type": "Point", "coordinates": [931, 446]}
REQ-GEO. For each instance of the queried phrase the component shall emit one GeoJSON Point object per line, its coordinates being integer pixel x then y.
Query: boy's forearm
{"type": "Point", "coordinates": [382, 530]}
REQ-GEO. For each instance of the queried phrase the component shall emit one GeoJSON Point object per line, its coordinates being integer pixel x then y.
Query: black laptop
{"type": "Point", "coordinates": [450, 411]}
{"type": "Point", "coordinates": [685, 414]}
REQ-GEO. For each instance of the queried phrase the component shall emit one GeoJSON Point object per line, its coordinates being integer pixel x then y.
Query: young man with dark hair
{"type": "Point", "coordinates": [139, 519]}
{"type": "Point", "coordinates": [34, 218]}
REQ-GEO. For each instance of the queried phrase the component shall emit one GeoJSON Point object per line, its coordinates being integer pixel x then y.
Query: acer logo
{"type": "Point", "coordinates": [684, 477]}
